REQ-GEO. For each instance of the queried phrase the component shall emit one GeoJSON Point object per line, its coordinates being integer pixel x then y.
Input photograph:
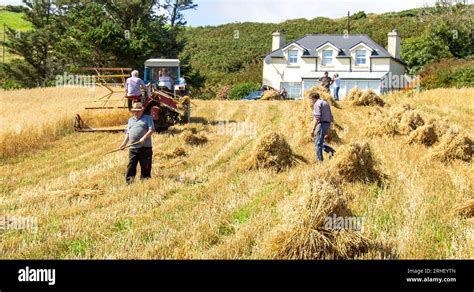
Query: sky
{"type": "Point", "coordinates": [215, 12]}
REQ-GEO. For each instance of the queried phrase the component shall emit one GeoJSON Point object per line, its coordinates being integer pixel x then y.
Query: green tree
{"type": "Point", "coordinates": [358, 15]}
{"type": "Point", "coordinates": [242, 89]}
{"type": "Point", "coordinates": [417, 52]}
{"type": "Point", "coordinates": [452, 22]}
{"type": "Point", "coordinates": [39, 63]}
{"type": "Point", "coordinates": [126, 12]}
{"type": "Point", "coordinates": [91, 37]}
{"type": "Point", "coordinates": [175, 8]}
{"type": "Point", "coordinates": [124, 36]}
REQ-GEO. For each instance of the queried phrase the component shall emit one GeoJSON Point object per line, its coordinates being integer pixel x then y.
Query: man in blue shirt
{"type": "Point", "coordinates": [139, 130]}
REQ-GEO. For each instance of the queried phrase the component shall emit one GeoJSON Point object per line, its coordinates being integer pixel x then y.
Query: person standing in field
{"type": "Point", "coordinates": [182, 83]}
{"type": "Point", "coordinates": [132, 87]}
{"type": "Point", "coordinates": [337, 85]}
{"type": "Point", "coordinates": [320, 126]}
{"type": "Point", "coordinates": [138, 132]}
{"type": "Point", "coordinates": [283, 93]}
{"type": "Point", "coordinates": [326, 81]}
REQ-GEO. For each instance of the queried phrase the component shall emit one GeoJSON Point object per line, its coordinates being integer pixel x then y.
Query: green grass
{"type": "Point", "coordinates": [14, 21]}
{"type": "Point", "coordinates": [123, 225]}
{"type": "Point", "coordinates": [79, 247]}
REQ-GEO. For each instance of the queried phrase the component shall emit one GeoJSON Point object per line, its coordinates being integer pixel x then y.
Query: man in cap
{"type": "Point", "coordinates": [139, 130]}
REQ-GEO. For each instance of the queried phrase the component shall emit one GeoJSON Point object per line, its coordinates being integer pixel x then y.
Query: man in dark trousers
{"type": "Point", "coordinates": [139, 130]}
{"type": "Point", "coordinates": [326, 81]}
{"type": "Point", "coordinates": [322, 121]}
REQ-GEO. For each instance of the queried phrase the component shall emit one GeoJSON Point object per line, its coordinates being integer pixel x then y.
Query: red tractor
{"type": "Point", "coordinates": [166, 106]}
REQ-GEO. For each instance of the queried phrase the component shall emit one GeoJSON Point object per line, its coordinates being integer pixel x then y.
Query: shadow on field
{"type": "Point", "coordinates": [300, 159]}
{"type": "Point", "coordinates": [201, 120]}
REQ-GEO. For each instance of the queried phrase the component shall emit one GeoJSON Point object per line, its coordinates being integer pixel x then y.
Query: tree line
{"type": "Point", "coordinates": [70, 34]}
{"type": "Point", "coordinates": [232, 54]}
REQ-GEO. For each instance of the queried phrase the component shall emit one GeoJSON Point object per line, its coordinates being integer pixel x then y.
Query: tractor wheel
{"type": "Point", "coordinates": [77, 123]}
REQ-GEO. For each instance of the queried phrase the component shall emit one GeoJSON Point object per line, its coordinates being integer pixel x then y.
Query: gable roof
{"type": "Point", "coordinates": [295, 43]}
{"type": "Point", "coordinates": [313, 41]}
{"type": "Point", "coordinates": [360, 44]}
{"type": "Point", "coordinates": [328, 43]}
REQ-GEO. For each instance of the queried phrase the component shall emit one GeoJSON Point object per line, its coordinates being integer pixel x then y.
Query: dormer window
{"type": "Point", "coordinates": [292, 57]}
{"type": "Point", "coordinates": [361, 57]}
{"type": "Point", "coordinates": [327, 57]}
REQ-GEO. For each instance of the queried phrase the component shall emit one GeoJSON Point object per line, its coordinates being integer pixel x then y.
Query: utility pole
{"type": "Point", "coordinates": [348, 22]}
{"type": "Point", "coordinates": [3, 43]}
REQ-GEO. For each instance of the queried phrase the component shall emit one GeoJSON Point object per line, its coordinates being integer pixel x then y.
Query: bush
{"type": "Point", "coordinates": [203, 94]}
{"type": "Point", "coordinates": [6, 82]}
{"type": "Point", "coordinates": [224, 92]}
{"type": "Point", "coordinates": [16, 8]}
{"type": "Point", "coordinates": [448, 73]}
{"type": "Point", "coordinates": [10, 85]}
{"type": "Point", "coordinates": [241, 90]}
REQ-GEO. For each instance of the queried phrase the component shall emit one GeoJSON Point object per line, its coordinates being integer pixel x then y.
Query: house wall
{"type": "Point", "coordinates": [396, 68]}
{"type": "Point", "coordinates": [380, 64]}
{"type": "Point", "coordinates": [273, 73]}
{"type": "Point", "coordinates": [277, 71]}
{"type": "Point", "coordinates": [398, 77]}
{"type": "Point", "coordinates": [338, 64]}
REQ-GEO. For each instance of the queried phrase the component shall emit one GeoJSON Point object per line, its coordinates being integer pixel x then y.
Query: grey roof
{"type": "Point", "coordinates": [344, 43]}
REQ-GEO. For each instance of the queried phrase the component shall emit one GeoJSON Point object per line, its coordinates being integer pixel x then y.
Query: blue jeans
{"type": "Point", "coordinates": [322, 131]}
{"type": "Point", "coordinates": [336, 93]}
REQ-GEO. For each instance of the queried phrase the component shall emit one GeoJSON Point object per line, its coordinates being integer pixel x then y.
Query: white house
{"type": "Point", "coordinates": [359, 61]}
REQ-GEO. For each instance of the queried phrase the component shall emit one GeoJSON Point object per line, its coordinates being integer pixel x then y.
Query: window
{"type": "Point", "coordinates": [309, 83]}
{"type": "Point", "coordinates": [360, 57]}
{"type": "Point", "coordinates": [292, 56]}
{"type": "Point", "coordinates": [293, 89]}
{"type": "Point", "coordinates": [327, 57]}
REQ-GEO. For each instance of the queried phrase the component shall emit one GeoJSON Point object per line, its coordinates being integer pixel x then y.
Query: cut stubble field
{"type": "Point", "coordinates": [203, 203]}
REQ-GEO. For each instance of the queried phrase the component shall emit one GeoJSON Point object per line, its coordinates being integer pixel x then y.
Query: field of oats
{"type": "Point", "coordinates": [405, 169]}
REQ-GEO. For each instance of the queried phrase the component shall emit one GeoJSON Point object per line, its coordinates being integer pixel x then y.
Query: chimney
{"type": "Point", "coordinates": [394, 40]}
{"type": "Point", "coordinates": [279, 40]}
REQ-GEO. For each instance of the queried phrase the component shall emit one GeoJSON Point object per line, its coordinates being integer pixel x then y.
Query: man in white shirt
{"type": "Point", "coordinates": [132, 87]}
{"type": "Point", "coordinates": [165, 81]}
